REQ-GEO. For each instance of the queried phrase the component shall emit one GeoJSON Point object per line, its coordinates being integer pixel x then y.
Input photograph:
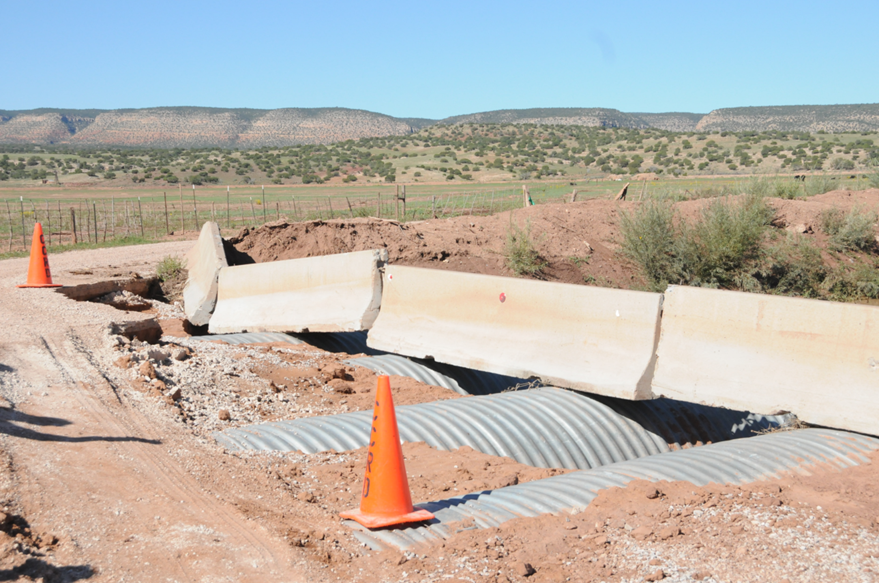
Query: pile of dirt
{"type": "Point", "coordinates": [577, 241]}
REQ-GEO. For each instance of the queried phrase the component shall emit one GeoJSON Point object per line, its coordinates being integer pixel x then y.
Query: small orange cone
{"type": "Point", "coordinates": [38, 274]}
{"type": "Point", "coordinates": [385, 500]}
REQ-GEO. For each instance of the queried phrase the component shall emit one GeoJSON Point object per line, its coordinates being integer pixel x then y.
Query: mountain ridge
{"type": "Point", "coordinates": [197, 126]}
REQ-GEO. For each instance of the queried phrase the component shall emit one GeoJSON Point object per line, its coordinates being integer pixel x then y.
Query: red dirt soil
{"type": "Point", "coordinates": [578, 241]}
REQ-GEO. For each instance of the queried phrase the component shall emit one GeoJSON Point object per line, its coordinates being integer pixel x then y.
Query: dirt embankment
{"type": "Point", "coordinates": [577, 241]}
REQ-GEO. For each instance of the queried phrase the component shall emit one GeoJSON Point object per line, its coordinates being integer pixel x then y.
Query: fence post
{"type": "Point", "coordinates": [228, 223]}
{"type": "Point", "coordinates": [49, 221]}
{"type": "Point", "coordinates": [9, 214]}
{"type": "Point", "coordinates": [330, 204]}
{"type": "Point", "coordinates": [95, 213]}
{"type": "Point", "coordinates": [350, 210]}
{"type": "Point", "coordinates": [194, 209]}
{"type": "Point", "coordinates": [112, 218]}
{"type": "Point", "coordinates": [264, 204]}
{"type": "Point", "coordinates": [140, 213]}
{"type": "Point", "coordinates": [182, 214]}
{"type": "Point", "coordinates": [379, 205]}
{"type": "Point", "coordinates": [23, 237]}
{"type": "Point", "coordinates": [73, 225]}
{"type": "Point", "coordinates": [433, 205]}
{"type": "Point", "coordinates": [167, 226]}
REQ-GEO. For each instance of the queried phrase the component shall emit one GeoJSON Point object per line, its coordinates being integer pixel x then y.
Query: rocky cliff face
{"type": "Point", "coordinates": [198, 127]}
{"type": "Point", "coordinates": [49, 128]}
{"type": "Point", "coordinates": [803, 118]}
{"type": "Point", "coordinates": [581, 116]}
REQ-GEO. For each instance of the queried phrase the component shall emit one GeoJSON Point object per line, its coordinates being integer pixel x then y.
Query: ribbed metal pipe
{"type": "Point", "coordinates": [347, 342]}
{"type": "Point", "coordinates": [545, 427]}
{"type": "Point", "coordinates": [734, 462]}
{"type": "Point", "coordinates": [250, 338]}
{"type": "Point", "coordinates": [392, 364]}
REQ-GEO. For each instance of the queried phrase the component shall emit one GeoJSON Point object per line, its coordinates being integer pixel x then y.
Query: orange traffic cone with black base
{"type": "Point", "coordinates": [385, 500]}
{"type": "Point", "coordinates": [38, 274]}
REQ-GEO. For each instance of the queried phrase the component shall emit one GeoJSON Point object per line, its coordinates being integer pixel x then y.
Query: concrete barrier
{"type": "Point", "coordinates": [592, 339]}
{"type": "Point", "coordinates": [333, 293]}
{"type": "Point", "coordinates": [816, 359]}
{"type": "Point", "coordinates": [204, 262]}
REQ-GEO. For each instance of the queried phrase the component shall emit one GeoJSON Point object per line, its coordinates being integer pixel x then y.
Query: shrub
{"type": "Point", "coordinates": [169, 268]}
{"type": "Point", "coordinates": [842, 164]}
{"type": "Point", "coordinates": [724, 239]}
{"type": "Point", "coordinates": [853, 284]}
{"type": "Point", "coordinates": [792, 267]}
{"type": "Point", "coordinates": [777, 187]}
{"type": "Point", "coordinates": [520, 255]}
{"type": "Point", "coordinates": [649, 240]}
{"type": "Point", "coordinates": [850, 231]}
{"type": "Point", "coordinates": [819, 184]}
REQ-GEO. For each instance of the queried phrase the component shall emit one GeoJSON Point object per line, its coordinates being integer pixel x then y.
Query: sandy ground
{"type": "Point", "coordinates": [109, 474]}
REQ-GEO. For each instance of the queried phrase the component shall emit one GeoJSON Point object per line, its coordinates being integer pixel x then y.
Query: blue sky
{"type": "Point", "coordinates": [437, 59]}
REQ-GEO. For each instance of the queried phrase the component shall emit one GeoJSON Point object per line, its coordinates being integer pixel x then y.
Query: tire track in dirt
{"type": "Point", "coordinates": [100, 427]}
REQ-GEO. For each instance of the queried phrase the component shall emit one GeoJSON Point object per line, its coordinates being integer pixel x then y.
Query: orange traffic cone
{"type": "Point", "coordinates": [385, 499]}
{"type": "Point", "coordinates": [38, 274]}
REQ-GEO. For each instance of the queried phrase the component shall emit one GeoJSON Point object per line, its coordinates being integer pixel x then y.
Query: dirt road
{"type": "Point", "coordinates": [91, 469]}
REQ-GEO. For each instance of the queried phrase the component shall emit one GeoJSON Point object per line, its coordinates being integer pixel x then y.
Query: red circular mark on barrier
{"type": "Point", "coordinates": [503, 297]}
{"type": "Point", "coordinates": [390, 276]}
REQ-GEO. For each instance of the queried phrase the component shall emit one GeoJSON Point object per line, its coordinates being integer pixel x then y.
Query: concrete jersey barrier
{"type": "Point", "coordinates": [204, 262]}
{"type": "Point", "coordinates": [587, 338]}
{"type": "Point", "coordinates": [333, 293]}
{"type": "Point", "coordinates": [816, 359]}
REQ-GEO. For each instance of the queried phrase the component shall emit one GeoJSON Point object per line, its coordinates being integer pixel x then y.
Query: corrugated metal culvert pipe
{"type": "Point", "coordinates": [545, 427]}
{"type": "Point", "coordinates": [734, 462]}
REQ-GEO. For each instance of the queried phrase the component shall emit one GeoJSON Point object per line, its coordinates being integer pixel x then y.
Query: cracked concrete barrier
{"type": "Point", "coordinates": [333, 293]}
{"type": "Point", "coordinates": [586, 338]}
{"type": "Point", "coordinates": [204, 262]}
{"type": "Point", "coordinates": [816, 359]}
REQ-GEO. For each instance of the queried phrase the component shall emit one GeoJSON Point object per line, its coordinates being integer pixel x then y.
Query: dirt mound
{"type": "Point", "coordinates": [576, 241]}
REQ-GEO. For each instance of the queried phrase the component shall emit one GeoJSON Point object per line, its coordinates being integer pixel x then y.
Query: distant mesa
{"type": "Point", "coordinates": [196, 127]}
{"type": "Point", "coordinates": [200, 127]}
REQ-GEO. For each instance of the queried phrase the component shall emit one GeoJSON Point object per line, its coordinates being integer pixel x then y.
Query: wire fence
{"type": "Point", "coordinates": [72, 221]}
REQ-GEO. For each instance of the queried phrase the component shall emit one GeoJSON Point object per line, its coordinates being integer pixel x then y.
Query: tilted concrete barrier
{"type": "Point", "coordinates": [816, 359]}
{"type": "Point", "coordinates": [592, 339]}
{"type": "Point", "coordinates": [333, 293]}
{"type": "Point", "coordinates": [204, 262]}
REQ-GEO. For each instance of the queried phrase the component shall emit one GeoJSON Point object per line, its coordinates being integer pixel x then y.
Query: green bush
{"type": "Point", "coordinates": [520, 254]}
{"type": "Point", "coordinates": [849, 231]}
{"type": "Point", "coordinates": [842, 164]}
{"type": "Point", "coordinates": [715, 251]}
{"type": "Point", "coordinates": [847, 284]}
{"type": "Point", "coordinates": [819, 184]}
{"type": "Point", "coordinates": [792, 267]}
{"type": "Point", "coordinates": [169, 268]}
{"type": "Point", "coordinates": [724, 239]}
{"type": "Point", "coordinates": [650, 239]}
{"type": "Point", "coordinates": [776, 187]}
